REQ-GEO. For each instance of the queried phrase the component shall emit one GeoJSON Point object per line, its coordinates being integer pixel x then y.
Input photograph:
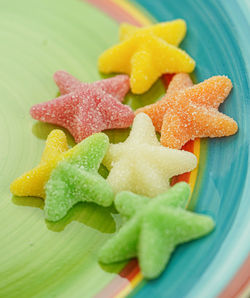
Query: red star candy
{"type": "Point", "coordinates": [117, 86]}
{"type": "Point", "coordinates": [87, 109]}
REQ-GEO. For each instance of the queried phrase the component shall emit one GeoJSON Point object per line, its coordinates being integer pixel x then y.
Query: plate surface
{"type": "Point", "coordinates": [45, 259]}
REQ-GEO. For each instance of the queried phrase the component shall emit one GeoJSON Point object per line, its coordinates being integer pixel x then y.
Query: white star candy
{"type": "Point", "coordinates": [141, 164]}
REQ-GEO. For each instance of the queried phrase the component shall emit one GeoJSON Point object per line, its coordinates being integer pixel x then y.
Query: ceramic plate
{"type": "Point", "coordinates": [43, 259]}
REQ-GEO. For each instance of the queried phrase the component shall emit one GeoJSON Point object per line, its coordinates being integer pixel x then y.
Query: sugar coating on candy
{"type": "Point", "coordinates": [178, 83]}
{"type": "Point", "coordinates": [32, 183]}
{"type": "Point", "coordinates": [153, 229]}
{"type": "Point", "coordinates": [141, 164]}
{"type": "Point", "coordinates": [85, 111]}
{"type": "Point", "coordinates": [128, 203]}
{"type": "Point", "coordinates": [76, 179]}
{"type": "Point", "coordinates": [157, 110]}
{"type": "Point", "coordinates": [192, 112]}
{"type": "Point", "coordinates": [172, 32]}
{"type": "Point", "coordinates": [147, 53]}
{"type": "Point", "coordinates": [117, 86]}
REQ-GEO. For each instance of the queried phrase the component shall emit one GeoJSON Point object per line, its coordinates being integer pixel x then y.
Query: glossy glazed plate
{"type": "Point", "coordinates": [45, 259]}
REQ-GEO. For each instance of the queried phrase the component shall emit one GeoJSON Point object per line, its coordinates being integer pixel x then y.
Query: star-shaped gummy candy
{"type": "Point", "coordinates": [191, 111]}
{"type": "Point", "coordinates": [32, 183]}
{"type": "Point", "coordinates": [87, 108]}
{"type": "Point", "coordinates": [147, 53]}
{"type": "Point", "coordinates": [76, 179]}
{"type": "Point", "coordinates": [141, 164]}
{"type": "Point", "coordinates": [117, 86]}
{"type": "Point", "coordinates": [154, 228]}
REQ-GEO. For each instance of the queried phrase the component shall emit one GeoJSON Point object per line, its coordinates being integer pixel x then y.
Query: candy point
{"type": "Point", "coordinates": [56, 143]}
{"type": "Point", "coordinates": [181, 187]}
{"type": "Point", "coordinates": [32, 182]}
{"type": "Point", "coordinates": [58, 74]}
{"type": "Point", "coordinates": [210, 224]}
{"type": "Point", "coordinates": [125, 30]}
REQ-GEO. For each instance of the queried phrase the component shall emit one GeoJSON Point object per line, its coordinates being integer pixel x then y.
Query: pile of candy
{"type": "Point", "coordinates": [155, 219]}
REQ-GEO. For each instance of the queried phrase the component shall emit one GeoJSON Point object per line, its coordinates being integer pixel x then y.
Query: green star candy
{"type": "Point", "coordinates": [153, 229]}
{"type": "Point", "coordinates": [76, 178]}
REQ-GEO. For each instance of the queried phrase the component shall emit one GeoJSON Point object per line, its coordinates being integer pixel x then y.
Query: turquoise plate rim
{"type": "Point", "coordinates": [229, 22]}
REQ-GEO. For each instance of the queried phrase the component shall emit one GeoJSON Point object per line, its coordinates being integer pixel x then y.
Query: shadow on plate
{"type": "Point", "coordinates": [114, 267]}
{"type": "Point", "coordinates": [137, 101]}
{"type": "Point", "coordinates": [117, 135]}
{"type": "Point", "coordinates": [89, 214]}
{"type": "Point", "coordinates": [124, 268]}
{"type": "Point", "coordinates": [41, 130]}
{"type": "Point", "coordinates": [28, 202]}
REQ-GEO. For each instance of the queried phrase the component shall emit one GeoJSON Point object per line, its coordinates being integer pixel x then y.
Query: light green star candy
{"type": "Point", "coordinates": [76, 179]}
{"type": "Point", "coordinates": [154, 228]}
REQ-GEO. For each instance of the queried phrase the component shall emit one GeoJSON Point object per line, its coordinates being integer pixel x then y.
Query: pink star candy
{"type": "Point", "coordinates": [85, 109]}
{"type": "Point", "coordinates": [117, 86]}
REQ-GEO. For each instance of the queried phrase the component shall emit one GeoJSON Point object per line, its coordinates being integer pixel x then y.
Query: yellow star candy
{"type": "Point", "coordinates": [32, 183]}
{"type": "Point", "coordinates": [172, 32]}
{"type": "Point", "coordinates": [147, 53]}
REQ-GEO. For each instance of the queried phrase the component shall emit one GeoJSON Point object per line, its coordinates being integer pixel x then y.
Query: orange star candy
{"type": "Point", "coordinates": [187, 112]}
